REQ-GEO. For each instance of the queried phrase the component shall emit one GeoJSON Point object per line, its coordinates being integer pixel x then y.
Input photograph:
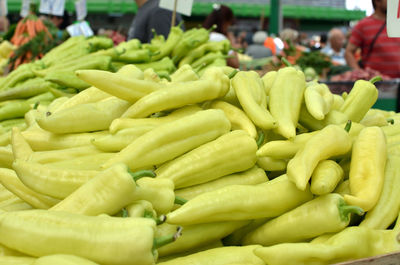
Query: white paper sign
{"type": "Point", "coordinates": [393, 18]}
{"type": "Point", "coordinates": [182, 6]}
{"type": "Point", "coordinates": [25, 8]}
{"type": "Point", "coordinates": [81, 10]}
{"type": "Point", "coordinates": [3, 8]}
{"type": "Point", "coordinates": [52, 7]}
{"type": "Point", "coordinates": [79, 29]}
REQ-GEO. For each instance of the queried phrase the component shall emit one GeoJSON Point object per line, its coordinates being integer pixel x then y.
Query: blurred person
{"type": "Point", "coordinates": [257, 49]}
{"type": "Point", "coordinates": [4, 24]}
{"type": "Point", "coordinates": [292, 48]}
{"type": "Point", "coordinates": [222, 16]}
{"type": "Point", "coordinates": [270, 43]}
{"type": "Point", "coordinates": [335, 49]}
{"type": "Point", "coordinates": [323, 40]}
{"type": "Point", "coordinates": [150, 16]}
{"type": "Point", "coordinates": [378, 51]}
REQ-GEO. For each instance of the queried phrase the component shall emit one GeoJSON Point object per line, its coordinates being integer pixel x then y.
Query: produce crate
{"type": "Point", "coordinates": [388, 259]}
{"type": "Point", "coordinates": [388, 92]}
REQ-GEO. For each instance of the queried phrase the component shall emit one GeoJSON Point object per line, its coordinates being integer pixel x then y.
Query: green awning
{"type": "Point", "coordinates": [203, 9]}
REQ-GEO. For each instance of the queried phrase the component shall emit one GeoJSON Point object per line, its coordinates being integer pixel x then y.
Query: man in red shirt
{"type": "Point", "coordinates": [378, 51]}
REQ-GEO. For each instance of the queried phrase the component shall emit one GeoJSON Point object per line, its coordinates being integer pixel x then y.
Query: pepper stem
{"type": "Point", "coordinates": [125, 213]}
{"type": "Point", "coordinates": [390, 120]}
{"type": "Point", "coordinates": [148, 214]}
{"type": "Point", "coordinates": [347, 127]}
{"type": "Point", "coordinates": [261, 137]}
{"type": "Point", "coordinates": [180, 200]}
{"type": "Point", "coordinates": [375, 79]}
{"type": "Point", "coordinates": [164, 240]}
{"type": "Point", "coordinates": [161, 219]}
{"type": "Point", "coordinates": [36, 105]}
{"type": "Point", "coordinates": [286, 62]}
{"type": "Point", "coordinates": [233, 73]}
{"type": "Point", "coordinates": [345, 210]}
{"type": "Point", "coordinates": [141, 173]}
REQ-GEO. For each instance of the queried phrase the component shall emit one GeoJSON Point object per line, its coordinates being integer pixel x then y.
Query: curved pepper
{"type": "Point", "coordinates": [367, 168]}
{"type": "Point", "coordinates": [387, 208]}
{"type": "Point", "coordinates": [237, 117]}
{"type": "Point", "coordinates": [11, 260]}
{"type": "Point", "coordinates": [222, 255]}
{"type": "Point", "coordinates": [184, 73]}
{"type": "Point", "coordinates": [54, 182]}
{"type": "Point", "coordinates": [332, 117]}
{"type": "Point", "coordinates": [325, 177]}
{"type": "Point", "coordinates": [324, 214]}
{"type": "Point", "coordinates": [42, 232]}
{"type": "Point", "coordinates": [213, 84]}
{"type": "Point", "coordinates": [361, 98]}
{"type": "Point", "coordinates": [331, 141]}
{"type": "Point", "coordinates": [84, 117]}
{"type": "Point", "coordinates": [174, 36]}
{"type": "Point", "coordinates": [172, 139]}
{"type": "Point", "coordinates": [350, 244]}
{"type": "Point", "coordinates": [107, 192]}
{"type": "Point", "coordinates": [10, 180]}
{"type": "Point", "coordinates": [6, 156]}
{"type": "Point", "coordinates": [141, 208]}
{"type": "Point", "coordinates": [44, 157]}
{"type": "Point", "coordinates": [268, 80]}
{"type": "Point", "coordinates": [285, 100]}
{"type": "Point", "coordinates": [251, 95]}
{"type": "Point", "coordinates": [252, 176]}
{"type": "Point", "coordinates": [272, 164]}
{"type": "Point", "coordinates": [318, 99]}
{"type": "Point", "coordinates": [230, 153]}
{"type": "Point", "coordinates": [241, 202]}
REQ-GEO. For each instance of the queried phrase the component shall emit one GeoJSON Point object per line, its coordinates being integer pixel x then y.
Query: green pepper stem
{"type": "Point", "coordinates": [390, 120]}
{"type": "Point", "coordinates": [180, 200]}
{"type": "Point", "coordinates": [347, 127]}
{"type": "Point", "coordinates": [125, 213]}
{"type": "Point", "coordinates": [141, 173]}
{"type": "Point", "coordinates": [213, 27]}
{"type": "Point", "coordinates": [233, 73]}
{"type": "Point", "coordinates": [261, 138]}
{"type": "Point", "coordinates": [286, 62]}
{"type": "Point", "coordinates": [161, 219]}
{"type": "Point", "coordinates": [345, 210]}
{"type": "Point", "coordinates": [164, 240]}
{"type": "Point", "coordinates": [375, 79]}
{"type": "Point", "coordinates": [36, 105]}
{"type": "Point", "coordinates": [148, 214]}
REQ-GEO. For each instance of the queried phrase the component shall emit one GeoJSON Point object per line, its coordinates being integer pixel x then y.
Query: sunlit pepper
{"type": "Point", "coordinates": [172, 139]}
{"type": "Point", "coordinates": [324, 214]}
{"type": "Point", "coordinates": [331, 141]}
{"type": "Point", "coordinates": [251, 95]}
{"type": "Point", "coordinates": [318, 99]}
{"type": "Point", "coordinates": [241, 202]}
{"type": "Point", "coordinates": [230, 153]}
{"type": "Point", "coordinates": [367, 168]}
{"type": "Point", "coordinates": [285, 100]}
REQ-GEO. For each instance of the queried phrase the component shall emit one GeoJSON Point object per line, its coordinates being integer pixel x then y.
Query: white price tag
{"type": "Point", "coordinates": [79, 29]}
{"type": "Point", "coordinates": [182, 6]}
{"type": "Point", "coordinates": [25, 8]}
{"type": "Point", "coordinates": [81, 9]}
{"type": "Point", "coordinates": [393, 18]}
{"type": "Point", "coordinates": [52, 7]}
{"type": "Point", "coordinates": [3, 8]}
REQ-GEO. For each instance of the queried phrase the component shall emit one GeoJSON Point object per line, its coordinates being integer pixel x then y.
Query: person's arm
{"type": "Point", "coordinates": [349, 55]}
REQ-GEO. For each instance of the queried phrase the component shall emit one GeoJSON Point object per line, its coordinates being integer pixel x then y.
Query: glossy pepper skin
{"type": "Point", "coordinates": [367, 168]}
{"type": "Point", "coordinates": [63, 259]}
{"type": "Point", "coordinates": [241, 202]}
{"type": "Point", "coordinates": [324, 214]}
{"type": "Point", "coordinates": [213, 84]}
{"type": "Point", "coordinates": [222, 255]}
{"type": "Point", "coordinates": [195, 235]}
{"type": "Point", "coordinates": [211, 160]}
{"type": "Point", "coordinates": [331, 141]}
{"type": "Point", "coordinates": [42, 232]}
{"type": "Point", "coordinates": [172, 139]}
{"type": "Point", "coordinates": [325, 177]}
{"type": "Point", "coordinates": [286, 95]}
{"type": "Point", "coordinates": [57, 183]}
{"type": "Point", "coordinates": [84, 117]}
{"type": "Point", "coordinates": [387, 208]}
{"type": "Point", "coordinates": [350, 244]}
{"type": "Point", "coordinates": [237, 117]}
{"type": "Point", "coordinates": [252, 176]}
{"type": "Point", "coordinates": [10, 180]}
{"type": "Point", "coordinates": [107, 192]}
{"type": "Point", "coordinates": [361, 98]}
{"type": "Point", "coordinates": [318, 99]}
{"type": "Point", "coordinates": [251, 95]}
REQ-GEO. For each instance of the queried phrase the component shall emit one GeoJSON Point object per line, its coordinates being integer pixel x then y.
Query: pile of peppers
{"type": "Point", "coordinates": [217, 166]}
